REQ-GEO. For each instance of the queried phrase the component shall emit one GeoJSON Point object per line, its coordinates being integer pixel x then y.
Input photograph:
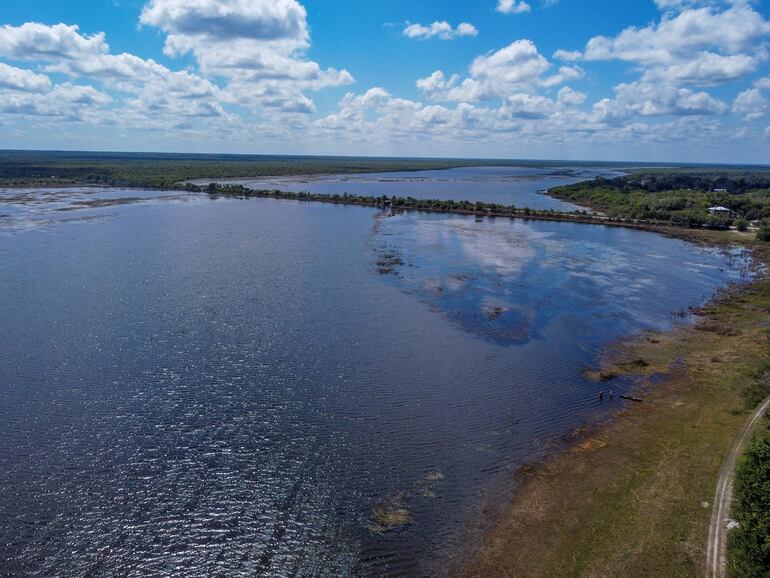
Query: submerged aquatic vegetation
{"type": "Point", "coordinates": [388, 261]}
{"type": "Point", "coordinates": [392, 512]}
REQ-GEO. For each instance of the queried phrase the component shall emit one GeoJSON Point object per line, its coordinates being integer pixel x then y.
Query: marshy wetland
{"type": "Point", "coordinates": [261, 386]}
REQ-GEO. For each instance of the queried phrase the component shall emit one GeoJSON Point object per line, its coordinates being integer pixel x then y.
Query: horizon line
{"type": "Point", "coordinates": [255, 156]}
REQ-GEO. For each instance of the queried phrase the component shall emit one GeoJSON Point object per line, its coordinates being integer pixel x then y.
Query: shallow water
{"type": "Point", "coordinates": [194, 386]}
{"type": "Point", "coordinates": [520, 186]}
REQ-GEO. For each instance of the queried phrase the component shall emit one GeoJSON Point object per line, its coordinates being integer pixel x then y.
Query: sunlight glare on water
{"type": "Point", "coordinates": [194, 386]}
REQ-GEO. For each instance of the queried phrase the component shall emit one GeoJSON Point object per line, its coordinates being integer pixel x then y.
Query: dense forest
{"type": "Point", "coordinates": [735, 182]}
{"type": "Point", "coordinates": [679, 198]}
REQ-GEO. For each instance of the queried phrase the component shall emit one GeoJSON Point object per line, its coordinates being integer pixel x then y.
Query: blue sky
{"type": "Point", "coordinates": [674, 80]}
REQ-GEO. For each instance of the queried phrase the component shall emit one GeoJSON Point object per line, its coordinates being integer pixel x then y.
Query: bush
{"type": "Point", "coordinates": [750, 542]}
{"type": "Point", "coordinates": [741, 224]}
{"type": "Point", "coordinates": [763, 234]}
{"type": "Point", "coordinates": [717, 222]}
{"type": "Point", "coordinates": [758, 388]}
{"type": "Point", "coordinates": [688, 218]}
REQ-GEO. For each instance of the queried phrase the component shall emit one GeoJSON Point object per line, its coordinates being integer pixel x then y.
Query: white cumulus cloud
{"type": "Point", "coordinates": [259, 45]}
{"type": "Point", "coordinates": [513, 6]}
{"type": "Point", "coordinates": [750, 104]}
{"type": "Point", "coordinates": [516, 67]}
{"type": "Point", "coordinates": [702, 46]}
{"type": "Point", "coordinates": [652, 99]}
{"type": "Point", "coordinates": [13, 78]}
{"type": "Point", "coordinates": [440, 29]}
{"type": "Point", "coordinates": [35, 41]}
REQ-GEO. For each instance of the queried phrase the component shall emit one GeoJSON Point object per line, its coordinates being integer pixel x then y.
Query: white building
{"type": "Point", "coordinates": [720, 211]}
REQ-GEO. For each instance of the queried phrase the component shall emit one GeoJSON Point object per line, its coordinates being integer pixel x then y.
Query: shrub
{"type": "Point", "coordinates": [763, 234]}
{"type": "Point", "coordinates": [750, 542]}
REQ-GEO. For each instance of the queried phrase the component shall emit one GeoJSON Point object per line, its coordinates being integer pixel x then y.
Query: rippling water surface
{"type": "Point", "coordinates": [258, 387]}
{"type": "Point", "coordinates": [520, 186]}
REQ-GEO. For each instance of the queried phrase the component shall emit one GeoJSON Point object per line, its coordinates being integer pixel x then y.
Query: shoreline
{"type": "Point", "coordinates": [620, 497]}
{"type": "Point", "coordinates": [583, 452]}
{"type": "Point", "coordinates": [467, 208]}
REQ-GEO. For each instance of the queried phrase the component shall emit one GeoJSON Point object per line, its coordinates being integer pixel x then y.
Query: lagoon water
{"type": "Point", "coordinates": [520, 186]}
{"type": "Point", "coordinates": [194, 386]}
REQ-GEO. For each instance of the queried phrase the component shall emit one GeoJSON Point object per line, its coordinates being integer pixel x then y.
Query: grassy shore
{"type": "Point", "coordinates": [633, 497]}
